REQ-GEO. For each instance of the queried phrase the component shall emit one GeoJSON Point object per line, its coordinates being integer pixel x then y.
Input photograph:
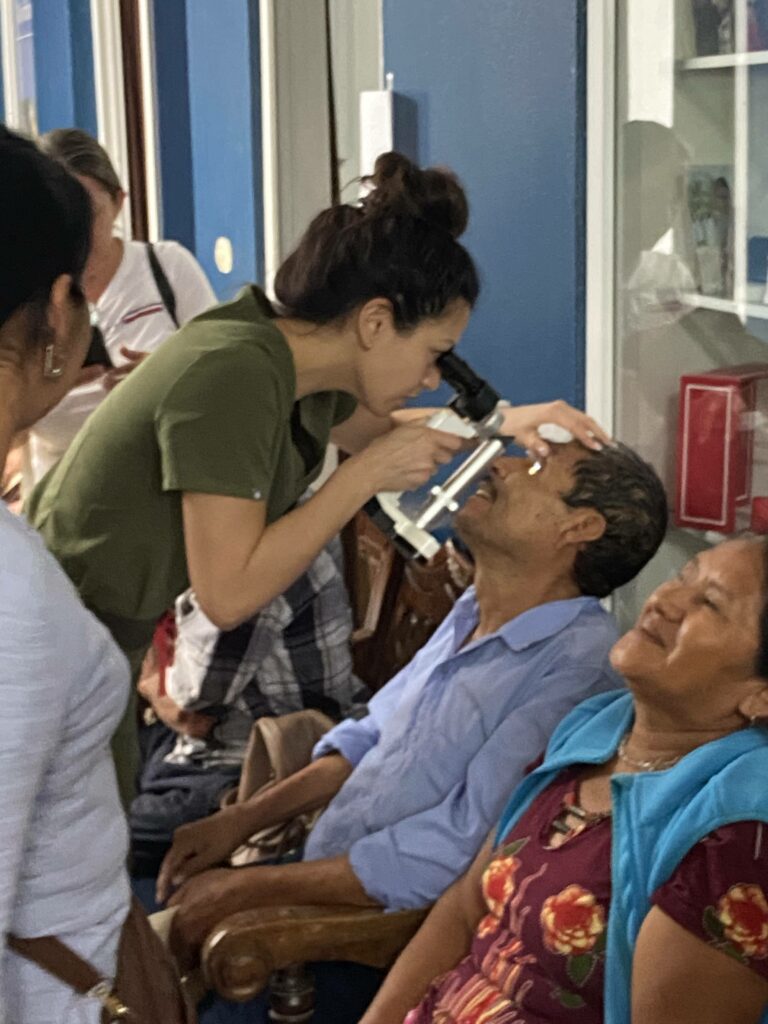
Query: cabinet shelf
{"type": "Point", "coordinates": [743, 310]}
{"type": "Point", "coordinates": [690, 205]}
{"type": "Point", "coordinates": [724, 60]}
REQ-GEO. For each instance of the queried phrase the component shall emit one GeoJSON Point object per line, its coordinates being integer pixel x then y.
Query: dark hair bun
{"type": "Point", "coordinates": [399, 243]}
{"type": "Point", "coordinates": [434, 195]}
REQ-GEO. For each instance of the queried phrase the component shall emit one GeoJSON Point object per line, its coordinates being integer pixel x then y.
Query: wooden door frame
{"type": "Point", "coordinates": [135, 128]}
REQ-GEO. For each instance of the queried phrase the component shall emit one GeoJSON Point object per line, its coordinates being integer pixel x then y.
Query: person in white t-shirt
{"type": "Point", "coordinates": [135, 305]}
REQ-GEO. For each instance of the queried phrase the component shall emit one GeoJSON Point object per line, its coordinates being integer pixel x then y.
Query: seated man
{"type": "Point", "coordinates": [415, 787]}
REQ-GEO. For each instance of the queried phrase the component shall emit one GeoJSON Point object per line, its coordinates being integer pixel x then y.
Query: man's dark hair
{"type": "Point", "coordinates": [630, 497]}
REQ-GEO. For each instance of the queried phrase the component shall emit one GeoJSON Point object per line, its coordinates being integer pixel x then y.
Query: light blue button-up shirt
{"type": "Point", "coordinates": [448, 739]}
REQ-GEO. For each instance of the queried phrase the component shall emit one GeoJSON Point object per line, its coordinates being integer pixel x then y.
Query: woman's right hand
{"type": "Point", "coordinates": [406, 457]}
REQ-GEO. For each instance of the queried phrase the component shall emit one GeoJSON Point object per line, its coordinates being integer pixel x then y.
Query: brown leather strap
{"type": "Point", "coordinates": [59, 960]}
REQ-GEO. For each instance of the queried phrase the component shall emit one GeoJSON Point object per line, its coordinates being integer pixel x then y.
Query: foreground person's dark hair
{"type": "Point", "coordinates": [400, 244]}
{"type": "Point", "coordinates": [45, 227]}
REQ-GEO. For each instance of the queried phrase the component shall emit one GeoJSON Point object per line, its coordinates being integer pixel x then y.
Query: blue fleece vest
{"type": "Point", "coordinates": [657, 816]}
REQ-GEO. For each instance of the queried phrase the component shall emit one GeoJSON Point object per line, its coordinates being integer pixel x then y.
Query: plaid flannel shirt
{"type": "Point", "coordinates": [294, 654]}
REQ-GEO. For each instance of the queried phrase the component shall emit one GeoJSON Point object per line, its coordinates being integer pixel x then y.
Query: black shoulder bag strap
{"type": "Point", "coordinates": [163, 284]}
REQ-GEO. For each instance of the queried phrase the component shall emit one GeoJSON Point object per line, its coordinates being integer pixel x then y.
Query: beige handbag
{"type": "Point", "coordinates": [277, 747]}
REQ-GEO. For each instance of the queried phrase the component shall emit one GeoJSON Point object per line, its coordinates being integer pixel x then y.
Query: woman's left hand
{"type": "Point", "coordinates": [113, 377]}
{"type": "Point", "coordinates": [522, 423]}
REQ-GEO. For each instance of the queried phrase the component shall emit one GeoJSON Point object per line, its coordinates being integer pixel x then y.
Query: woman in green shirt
{"type": "Point", "coordinates": [191, 470]}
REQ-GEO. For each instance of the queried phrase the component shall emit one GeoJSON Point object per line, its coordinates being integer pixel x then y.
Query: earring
{"type": "Point", "coordinates": [51, 372]}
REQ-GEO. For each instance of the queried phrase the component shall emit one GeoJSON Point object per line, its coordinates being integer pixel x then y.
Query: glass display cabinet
{"type": "Point", "coordinates": [690, 259]}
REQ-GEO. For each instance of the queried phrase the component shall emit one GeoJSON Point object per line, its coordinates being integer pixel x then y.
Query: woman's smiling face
{"type": "Point", "coordinates": [696, 641]}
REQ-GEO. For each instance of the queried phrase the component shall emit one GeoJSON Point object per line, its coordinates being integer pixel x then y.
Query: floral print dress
{"type": "Point", "coordinates": [537, 956]}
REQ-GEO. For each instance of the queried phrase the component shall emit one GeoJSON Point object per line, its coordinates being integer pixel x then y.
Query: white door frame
{"type": "Point", "coordinates": [9, 62]}
{"type": "Point", "coordinates": [601, 198]}
{"type": "Point", "coordinates": [110, 102]}
{"type": "Point", "coordinates": [269, 141]}
{"type": "Point", "coordinates": [149, 110]}
{"type": "Point", "coordinates": [110, 95]}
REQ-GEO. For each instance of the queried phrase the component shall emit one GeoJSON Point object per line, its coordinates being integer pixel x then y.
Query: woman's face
{"type": "Point", "coordinates": [696, 640]}
{"type": "Point", "coordinates": [104, 209]}
{"type": "Point", "coordinates": [398, 365]}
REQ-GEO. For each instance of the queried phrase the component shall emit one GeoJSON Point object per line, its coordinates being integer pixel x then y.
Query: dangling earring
{"type": "Point", "coordinates": [51, 372]}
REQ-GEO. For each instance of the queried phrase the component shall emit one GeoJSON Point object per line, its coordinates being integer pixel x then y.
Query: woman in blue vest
{"type": "Point", "coordinates": [628, 878]}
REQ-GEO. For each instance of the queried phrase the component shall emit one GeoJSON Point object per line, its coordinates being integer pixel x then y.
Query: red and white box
{"type": "Point", "coordinates": [715, 445]}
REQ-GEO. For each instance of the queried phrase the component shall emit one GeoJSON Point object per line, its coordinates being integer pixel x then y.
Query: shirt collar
{"type": "Point", "coordinates": [524, 630]}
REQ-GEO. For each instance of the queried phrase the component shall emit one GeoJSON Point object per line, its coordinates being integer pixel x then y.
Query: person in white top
{"type": "Point", "coordinates": [126, 296]}
{"type": "Point", "coordinates": [63, 680]}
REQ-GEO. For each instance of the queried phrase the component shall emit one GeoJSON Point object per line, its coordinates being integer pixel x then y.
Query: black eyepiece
{"type": "Point", "coordinates": [475, 398]}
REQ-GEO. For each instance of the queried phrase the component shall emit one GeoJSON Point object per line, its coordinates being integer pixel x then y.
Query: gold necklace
{"type": "Point", "coordinates": [656, 765]}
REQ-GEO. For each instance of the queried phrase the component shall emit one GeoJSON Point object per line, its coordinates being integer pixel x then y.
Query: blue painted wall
{"type": "Point", "coordinates": [66, 95]}
{"type": "Point", "coordinates": [173, 121]}
{"type": "Point", "coordinates": [497, 90]}
{"type": "Point", "coordinates": [225, 134]}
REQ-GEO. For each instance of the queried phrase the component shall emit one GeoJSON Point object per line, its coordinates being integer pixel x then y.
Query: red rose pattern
{"type": "Point", "coordinates": [743, 912]}
{"type": "Point", "coordinates": [572, 921]}
{"type": "Point", "coordinates": [499, 883]}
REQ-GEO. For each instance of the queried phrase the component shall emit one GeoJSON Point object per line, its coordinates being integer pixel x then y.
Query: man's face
{"type": "Point", "coordinates": [514, 509]}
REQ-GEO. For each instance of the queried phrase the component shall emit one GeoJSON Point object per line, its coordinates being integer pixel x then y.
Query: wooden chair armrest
{"type": "Point", "coordinates": [243, 950]}
{"type": "Point", "coordinates": [380, 596]}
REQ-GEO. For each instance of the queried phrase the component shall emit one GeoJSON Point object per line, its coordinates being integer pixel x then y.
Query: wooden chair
{"type": "Point", "coordinates": [397, 607]}
{"type": "Point", "coordinates": [374, 571]}
{"type": "Point", "coordinates": [425, 595]}
{"type": "Point", "coordinates": [256, 948]}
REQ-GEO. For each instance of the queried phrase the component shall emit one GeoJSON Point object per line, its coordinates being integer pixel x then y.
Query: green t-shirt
{"type": "Point", "coordinates": [209, 411]}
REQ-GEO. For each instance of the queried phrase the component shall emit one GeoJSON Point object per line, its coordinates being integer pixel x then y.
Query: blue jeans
{"type": "Point", "coordinates": [169, 795]}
